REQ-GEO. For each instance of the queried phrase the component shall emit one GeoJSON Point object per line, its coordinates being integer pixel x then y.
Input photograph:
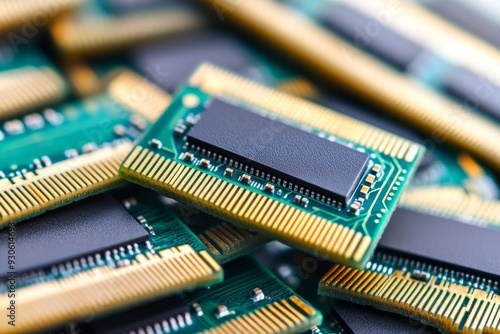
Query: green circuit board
{"type": "Point", "coordinates": [128, 234]}
{"type": "Point", "coordinates": [452, 300]}
{"type": "Point", "coordinates": [249, 300]}
{"type": "Point", "coordinates": [164, 161]}
{"type": "Point", "coordinates": [62, 154]}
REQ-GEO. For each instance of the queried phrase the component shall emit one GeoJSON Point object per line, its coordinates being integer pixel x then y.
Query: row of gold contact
{"type": "Point", "coordinates": [449, 306]}
{"type": "Point", "coordinates": [16, 13]}
{"type": "Point", "coordinates": [246, 208]}
{"type": "Point", "coordinates": [214, 80]}
{"type": "Point", "coordinates": [225, 241]}
{"type": "Point", "coordinates": [65, 181]}
{"type": "Point", "coordinates": [27, 88]}
{"type": "Point", "coordinates": [452, 202]}
{"type": "Point", "coordinates": [299, 87]}
{"type": "Point", "coordinates": [346, 66]}
{"type": "Point", "coordinates": [92, 36]}
{"type": "Point", "coordinates": [461, 47]}
{"type": "Point", "coordinates": [138, 94]}
{"type": "Point", "coordinates": [285, 316]}
{"type": "Point", "coordinates": [83, 78]}
{"type": "Point", "coordinates": [105, 289]}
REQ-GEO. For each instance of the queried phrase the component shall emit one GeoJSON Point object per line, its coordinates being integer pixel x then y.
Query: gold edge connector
{"type": "Point", "coordinates": [445, 305]}
{"type": "Point", "coordinates": [97, 36]}
{"type": "Point", "coordinates": [214, 80]}
{"type": "Point", "coordinates": [138, 94]}
{"type": "Point", "coordinates": [231, 241]}
{"type": "Point", "coordinates": [15, 13]}
{"type": "Point", "coordinates": [246, 208]}
{"type": "Point", "coordinates": [279, 317]}
{"type": "Point", "coordinates": [105, 289]}
{"type": "Point", "coordinates": [313, 46]}
{"type": "Point", "coordinates": [452, 202]}
{"type": "Point", "coordinates": [27, 88]}
{"type": "Point", "coordinates": [60, 183]}
{"type": "Point", "coordinates": [300, 87]}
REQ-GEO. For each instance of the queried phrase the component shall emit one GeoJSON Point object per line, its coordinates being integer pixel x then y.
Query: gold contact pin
{"type": "Point", "coordinates": [27, 88]}
{"type": "Point", "coordinates": [138, 94]}
{"type": "Point", "coordinates": [279, 317]}
{"type": "Point", "coordinates": [452, 202]}
{"type": "Point", "coordinates": [448, 306]}
{"type": "Point", "coordinates": [256, 211]}
{"type": "Point", "coordinates": [226, 241]}
{"type": "Point", "coordinates": [64, 181]}
{"type": "Point", "coordinates": [299, 87]}
{"type": "Point", "coordinates": [52, 303]}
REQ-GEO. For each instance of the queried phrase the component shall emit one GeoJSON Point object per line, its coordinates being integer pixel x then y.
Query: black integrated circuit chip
{"type": "Point", "coordinates": [169, 64]}
{"type": "Point", "coordinates": [474, 90]}
{"type": "Point", "coordinates": [302, 158]}
{"type": "Point", "coordinates": [389, 45]}
{"type": "Point", "coordinates": [71, 232]}
{"type": "Point", "coordinates": [445, 240]}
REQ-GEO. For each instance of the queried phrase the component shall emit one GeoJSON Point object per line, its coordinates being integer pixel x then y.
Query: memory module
{"type": "Point", "coordinates": [276, 164]}
{"type": "Point", "coordinates": [108, 257]}
{"type": "Point", "coordinates": [302, 272]}
{"type": "Point", "coordinates": [250, 300]}
{"type": "Point", "coordinates": [299, 38]}
{"type": "Point", "coordinates": [427, 268]}
{"type": "Point", "coordinates": [399, 43]}
{"type": "Point", "coordinates": [57, 156]}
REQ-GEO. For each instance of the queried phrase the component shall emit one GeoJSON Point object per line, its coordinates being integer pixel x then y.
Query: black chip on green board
{"type": "Point", "coordinates": [448, 241]}
{"type": "Point", "coordinates": [281, 150]}
{"type": "Point", "coordinates": [71, 232]}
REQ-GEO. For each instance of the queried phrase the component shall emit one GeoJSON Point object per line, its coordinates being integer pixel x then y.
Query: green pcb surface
{"type": "Point", "coordinates": [61, 133]}
{"type": "Point", "coordinates": [239, 294]}
{"type": "Point", "coordinates": [86, 139]}
{"type": "Point", "coordinates": [347, 234]}
{"type": "Point", "coordinates": [249, 300]}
